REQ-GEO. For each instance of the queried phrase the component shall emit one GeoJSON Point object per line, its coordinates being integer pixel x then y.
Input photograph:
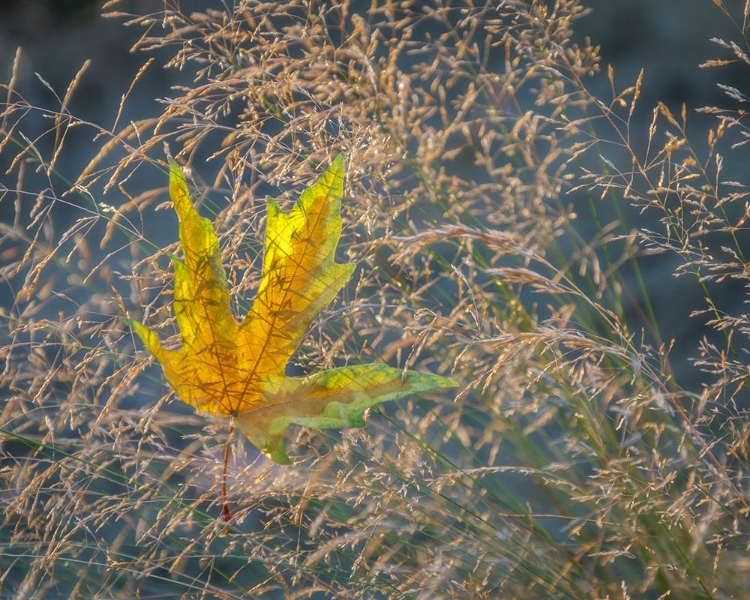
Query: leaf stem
{"type": "Point", "coordinates": [224, 506]}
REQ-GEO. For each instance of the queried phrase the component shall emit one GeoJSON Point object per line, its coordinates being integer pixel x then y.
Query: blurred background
{"type": "Point", "coordinates": [667, 38]}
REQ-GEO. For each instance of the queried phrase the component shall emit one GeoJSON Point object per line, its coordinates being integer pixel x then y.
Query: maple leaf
{"type": "Point", "coordinates": [237, 369]}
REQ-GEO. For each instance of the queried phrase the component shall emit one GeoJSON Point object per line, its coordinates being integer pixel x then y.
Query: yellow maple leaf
{"type": "Point", "coordinates": [237, 369]}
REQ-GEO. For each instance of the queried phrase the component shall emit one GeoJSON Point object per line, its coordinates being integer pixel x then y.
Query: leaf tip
{"type": "Point", "coordinates": [148, 337]}
{"type": "Point", "coordinates": [450, 383]}
{"type": "Point", "coordinates": [178, 191]}
{"type": "Point", "coordinates": [338, 162]}
{"type": "Point", "coordinates": [272, 206]}
{"type": "Point", "coordinates": [276, 453]}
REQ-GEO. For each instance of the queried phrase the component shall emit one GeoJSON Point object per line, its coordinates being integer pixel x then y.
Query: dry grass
{"type": "Point", "coordinates": [572, 464]}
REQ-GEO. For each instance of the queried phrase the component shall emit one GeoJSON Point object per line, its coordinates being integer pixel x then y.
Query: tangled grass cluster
{"type": "Point", "coordinates": [572, 463]}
